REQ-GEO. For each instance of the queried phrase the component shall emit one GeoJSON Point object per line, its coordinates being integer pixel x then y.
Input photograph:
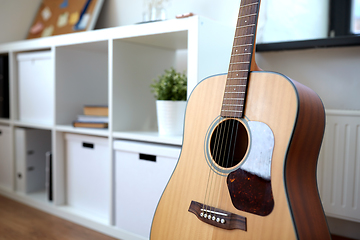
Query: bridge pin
{"type": "Point", "coordinates": [209, 216]}
{"type": "Point", "coordinates": [213, 218]}
{"type": "Point", "coordinates": [218, 219]}
{"type": "Point", "coordinates": [205, 215]}
{"type": "Point", "coordinates": [222, 221]}
{"type": "Point", "coordinates": [201, 214]}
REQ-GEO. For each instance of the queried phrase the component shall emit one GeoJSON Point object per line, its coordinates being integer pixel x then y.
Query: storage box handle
{"type": "Point", "coordinates": [147, 157]}
{"type": "Point", "coordinates": [88, 145]}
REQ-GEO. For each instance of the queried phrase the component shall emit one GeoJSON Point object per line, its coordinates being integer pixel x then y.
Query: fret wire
{"type": "Point", "coordinates": [241, 70]}
{"type": "Point", "coordinates": [243, 45]}
{"type": "Point", "coordinates": [236, 62]}
{"type": "Point", "coordinates": [250, 25]}
{"type": "Point", "coordinates": [241, 62]}
{"type": "Point", "coordinates": [246, 5]}
{"type": "Point", "coordinates": [241, 66]}
{"type": "Point", "coordinates": [240, 54]}
{"type": "Point", "coordinates": [238, 99]}
{"type": "Point", "coordinates": [233, 105]}
{"type": "Point", "coordinates": [249, 15]}
{"type": "Point", "coordinates": [240, 46]}
{"type": "Point", "coordinates": [249, 35]}
{"type": "Point", "coordinates": [234, 92]}
{"type": "Point", "coordinates": [231, 111]}
{"type": "Point", "coordinates": [234, 70]}
{"type": "Point", "coordinates": [236, 77]}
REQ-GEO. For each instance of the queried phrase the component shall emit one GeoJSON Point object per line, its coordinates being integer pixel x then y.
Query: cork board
{"type": "Point", "coordinates": [56, 17]}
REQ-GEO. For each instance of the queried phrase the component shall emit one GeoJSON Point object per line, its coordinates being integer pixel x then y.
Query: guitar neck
{"type": "Point", "coordinates": [241, 60]}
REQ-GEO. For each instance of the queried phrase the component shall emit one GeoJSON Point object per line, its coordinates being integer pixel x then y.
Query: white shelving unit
{"type": "Point", "coordinates": [114, 67]}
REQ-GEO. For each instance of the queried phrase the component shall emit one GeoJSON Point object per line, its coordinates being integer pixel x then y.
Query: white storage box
{"type": "Point", "coordinates": [89, 176]}
{"type": "Point", "coordinates": [6, 164]}
{"type": "Point", "coordinates": [31, 146]}
{"type": "Point", "coordinates": [142, 171]}
{"type": "Point", "coordinates": [36, 87]}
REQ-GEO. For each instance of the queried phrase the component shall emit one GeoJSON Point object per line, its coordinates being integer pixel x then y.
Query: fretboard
{"type": "Point", "coordinates": [240, 62]}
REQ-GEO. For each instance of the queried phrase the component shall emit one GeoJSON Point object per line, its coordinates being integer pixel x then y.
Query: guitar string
{"type": "Point", "coordinates": [235, 133]}
{"type": "Point", "coordinates": [206, 203]}
{"type": "Point", "coordinates": [217, 146]}
{"type": "Point", "coordinates": [221, 158]}
{"type": "Point", "coordinates": [218, 154]}
{"type": "Point", "coordinates": [232, 122]}
{"type": "Point", "coordinates": [223, 131]}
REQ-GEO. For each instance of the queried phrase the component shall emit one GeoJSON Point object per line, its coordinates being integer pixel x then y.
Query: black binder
{"type": "Point", "coordinates": [4, 86]}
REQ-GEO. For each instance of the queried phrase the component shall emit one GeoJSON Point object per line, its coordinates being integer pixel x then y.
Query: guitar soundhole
{"type": "Point", "coordinates": [229, 143]}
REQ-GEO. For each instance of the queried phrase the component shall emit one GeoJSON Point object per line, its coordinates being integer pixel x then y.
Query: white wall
{"type": "Point", "coordinates": [331, 72]}
{"type": "Point", "coordinates": [279, 19]}
{"type": "Point", "coordinates": [120, 12]}
{"type": "Point", "coordinates": [16, 17]}
{"type": "Point", "coordinates": [284, 20]}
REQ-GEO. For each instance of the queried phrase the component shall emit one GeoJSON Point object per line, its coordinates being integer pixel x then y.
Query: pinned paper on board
{"type": "Point", "coordinates": [64, 4]}
{"type": "Point", "coordinates": [74, 18]}
{"type": "Point", "coordinates": [63, 20]}
{"type": "Point", "coordinates": [37, 28]}
{"type": "Point", "coordinates": [55, 17]}
{"type": "Point", "coordinates": [46, 13]}
{"type": "Point", "coordinates": [48, 31]}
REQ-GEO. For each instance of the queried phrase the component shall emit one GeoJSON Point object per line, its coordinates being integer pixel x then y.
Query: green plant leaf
{"type": "Point", "coordinates": [171, 85]}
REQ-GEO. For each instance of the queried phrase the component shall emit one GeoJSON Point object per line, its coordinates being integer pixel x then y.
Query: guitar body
{"type": "Point", "coordinates": [295, 115]}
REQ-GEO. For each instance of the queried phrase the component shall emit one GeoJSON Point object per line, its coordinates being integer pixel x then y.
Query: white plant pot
{"type": "Point", "coordinates": [170, 116]}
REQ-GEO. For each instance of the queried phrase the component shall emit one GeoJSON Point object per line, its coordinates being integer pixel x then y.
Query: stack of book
{"type": "Point", "coordinates": [95, 116]}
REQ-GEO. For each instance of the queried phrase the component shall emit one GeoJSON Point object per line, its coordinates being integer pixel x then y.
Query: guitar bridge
{"type": "Point", "coordinates": [217, 217]}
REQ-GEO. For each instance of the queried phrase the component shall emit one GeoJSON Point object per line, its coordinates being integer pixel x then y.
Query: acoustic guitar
{"type": "Point", "coordinates": [247, 169]}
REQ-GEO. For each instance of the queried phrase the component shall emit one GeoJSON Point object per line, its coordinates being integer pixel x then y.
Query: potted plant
{"type": "Point", "coordinates": [170, 91]}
